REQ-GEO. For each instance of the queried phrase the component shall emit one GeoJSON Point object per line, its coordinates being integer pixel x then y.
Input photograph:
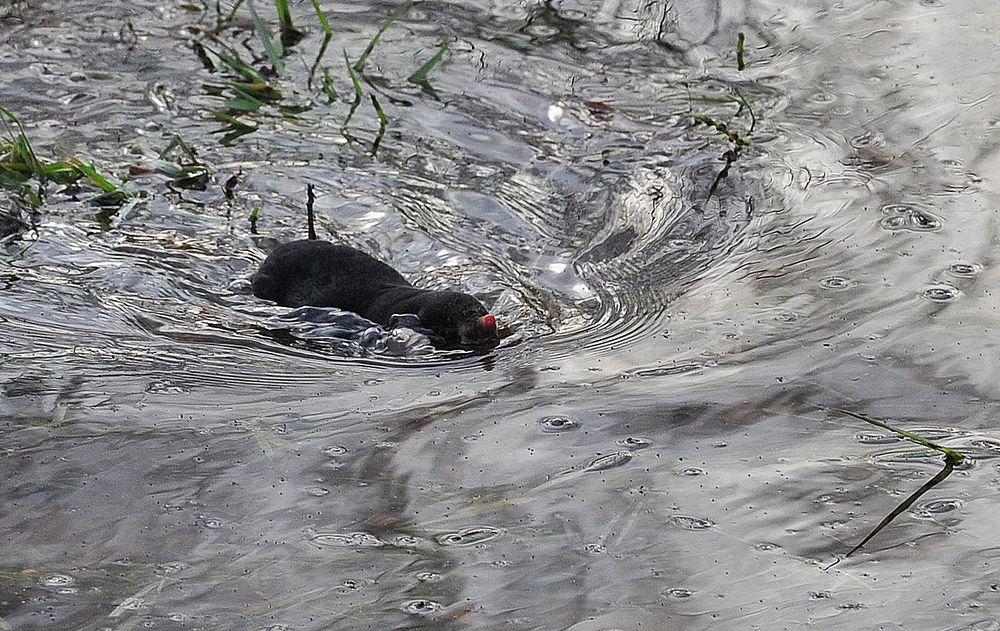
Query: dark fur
{"type": "Point", "coordinates": [321, 274]}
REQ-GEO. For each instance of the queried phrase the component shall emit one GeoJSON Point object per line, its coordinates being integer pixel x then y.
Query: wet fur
{"type": "Point", "coordinates": [322, 274]}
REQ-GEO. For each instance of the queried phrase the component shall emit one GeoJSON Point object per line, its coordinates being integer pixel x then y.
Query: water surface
{"type": "Point", "coordinates": [654, 446]}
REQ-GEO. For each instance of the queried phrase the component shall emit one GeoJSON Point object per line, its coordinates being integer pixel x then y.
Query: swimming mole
{"type": "Point", "coordinates": [322, 274]}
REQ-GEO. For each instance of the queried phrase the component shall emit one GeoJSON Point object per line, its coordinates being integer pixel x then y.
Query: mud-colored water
{"type": "Point", "coordinates": [653, 447]}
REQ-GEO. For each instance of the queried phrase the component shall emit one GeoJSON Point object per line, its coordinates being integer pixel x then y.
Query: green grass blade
{"type": "Point", "coordinates": [260, 91]}
{"type": "Point", "coordinates": [383, 122]}
{"type": "Point", "coordinates": [232, 59]}
{"type": "Point", "coordinates": [178, 142]}
{"type": "Point", "coordinates": [328, 35]}
{"type": "Point", "coordinates": [234, 127]}
{"type": "Point", "coordinates": [290, 36]}
{"type": "Point", "coordinates": [253, 219]}
{"type": "Point", "coordinates": [359, 65]}
{"type": "Point", "coordinates": [242, 104]}
{"type": "Point", "coordinates": [745, 104]}
{"type": "Point", "coordinates": [328, 88]}
{"type": "Point", "coordinates": [272, 47]}
{"type": "Point", "coordinates": [955, 457]}
{"type": "Point", "coordinates": [284, 13]}
{"type": "Point", "coordinates": [740, 44]}
{"type": "Point", "coordinates": [99, 179]}
{"type": "Point", "coordinates": [61, 172]}
{"type": "Point", "coordinates": [357, 90]}
{"type": "Point", "coordinates": [233, 10]}
{"type": "Point", "coordinates": [905, 505]}
{"type": "Point", "coordinates": [319, 58]}
{"type": "Point", "coordinates": [322, 18]}
{"type": "Point", "coordinates": [420, 76]}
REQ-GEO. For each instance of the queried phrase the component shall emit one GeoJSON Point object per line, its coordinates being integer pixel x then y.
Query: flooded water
{"type": "Point", "coordinates": [655, 445]}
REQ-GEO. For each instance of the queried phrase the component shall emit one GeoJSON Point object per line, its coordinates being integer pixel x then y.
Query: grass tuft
{"type": "Point", "coordinates": [253, 93]}
{"type": "Point", "coordinates": [20, 166]}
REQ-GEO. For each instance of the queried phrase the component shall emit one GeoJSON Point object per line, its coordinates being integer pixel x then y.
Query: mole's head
{"type": "Point", "coordinates": [459, 319]}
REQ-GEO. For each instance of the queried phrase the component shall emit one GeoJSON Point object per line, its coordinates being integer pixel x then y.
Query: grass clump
{"type": "Point", "coordinates": [260, 65]}
{"type": "Point", "coordinates": [28, 176]}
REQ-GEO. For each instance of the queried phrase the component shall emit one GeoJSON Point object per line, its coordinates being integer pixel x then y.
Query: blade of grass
{"type": "Point", "coordinates": [234, 128]}
{"type": "Point", "coordinates": [328, 35]}
{"type": "Point", "coordinates": [178, 142]}
{"type": "Point", "coordinates": [745, 104]}
{"type": "Point", "coordinates": [319, 57]}
{"type": "Point", "coordinates": [722, 128]}
{"type": "Point", "coordinates": [257, 91]}
{"type": "Point", "coordinates": [420, 76]}
{"type": "Point", "coordinates": [61, 172]}
{"type": "Point", "coordinates": [233, 10]}
{"type": "Point", "coordinates": [322, 18]}
{"type": "Point", "coordinates": [111, 194]}
{"type": "Point", "coordinates": [272, 47]}
{"type": "Point", "coordinates": [290, 36]}
{"type": "Point", "coordinates": [383, 122]}
{"type": "Point", "coordinates": [253, 219]}
{"type": "Point", "coordinates": [740, 43]}
{"type": "Point", "coordinates": [92, 174]}
{"type": "Point", "coordinates": [357, 90]}
{"type": "Point", "coordinates": [359, 65]}
{"type": "Point", "coordinates": [232, 59]}
{"type": "Point", "coordinates": [951, 455]}
{"type": "Point", "coordinates": [951, 458]}
{"type": "Point", "coordinates": [905, 504]}
{"type": "Point", "coordinates": [328, 88]}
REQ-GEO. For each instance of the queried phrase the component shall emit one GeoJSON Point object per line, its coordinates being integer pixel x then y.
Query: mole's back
{"type": "Point", "coordinates": [322, 274]}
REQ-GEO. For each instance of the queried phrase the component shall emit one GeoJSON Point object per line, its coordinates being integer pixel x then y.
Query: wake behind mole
{"type": "Point", "coordinates": [322, 274]}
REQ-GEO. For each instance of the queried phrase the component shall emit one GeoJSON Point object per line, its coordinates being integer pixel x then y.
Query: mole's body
{"type": "Point", "coordinates": [321, 274]}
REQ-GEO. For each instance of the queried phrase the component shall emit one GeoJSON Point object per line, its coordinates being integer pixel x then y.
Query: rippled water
{"type": "Point", "coordinates": [653, 446]}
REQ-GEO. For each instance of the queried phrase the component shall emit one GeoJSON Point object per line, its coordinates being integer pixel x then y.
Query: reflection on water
{"type": "Point", "coordinates": [650, 448]}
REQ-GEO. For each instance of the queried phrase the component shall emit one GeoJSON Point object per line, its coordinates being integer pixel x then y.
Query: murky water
{"type": "Point", "coordinates": [655, 444]}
